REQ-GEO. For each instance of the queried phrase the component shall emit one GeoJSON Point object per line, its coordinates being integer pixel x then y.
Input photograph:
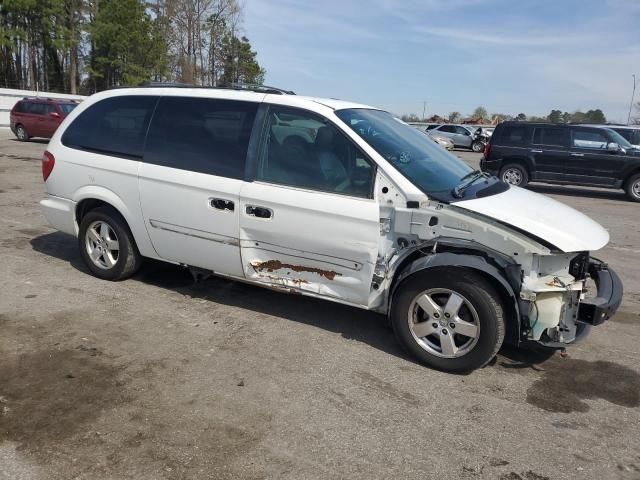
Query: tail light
{"type": "Point", "coordinates": [486, 151]}
{"type": "Point", "coordinates": [48, 161]}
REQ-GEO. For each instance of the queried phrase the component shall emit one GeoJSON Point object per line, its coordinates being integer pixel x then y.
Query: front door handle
{"type": "Point", "coordinates": [577, 154]}
{"type": "Point", "coordinates": [258, 212]}
{"type": "Point", "coordinates": [221, 204]}
{"type": "Point", "coordinates": [536, 151]}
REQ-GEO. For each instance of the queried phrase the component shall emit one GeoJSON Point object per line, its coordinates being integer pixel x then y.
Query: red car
{"type": "Point", "coordinates": [38, 117]}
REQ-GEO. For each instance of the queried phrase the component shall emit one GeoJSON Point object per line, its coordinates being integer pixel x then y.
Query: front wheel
{"type": "Point", "coordinates": [451, 320]}
{"type": "Point", "coordinates": [477, 146]}
{"type": "Point", "coordinates": [633, 188]}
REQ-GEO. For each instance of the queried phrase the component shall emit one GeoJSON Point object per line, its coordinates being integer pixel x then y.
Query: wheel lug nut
{"type": "Point", "coordinates": [434, 325]}
{"type": "Point", "coordinates": [436, 315]}
{"type": "Point", "coordinates": [444, 331]}
{"type": "Point", "coordinates": [447, 315]}
{"type": "Point", "coordinates": [452, 325]}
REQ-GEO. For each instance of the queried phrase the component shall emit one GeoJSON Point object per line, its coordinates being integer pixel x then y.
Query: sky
{"type": "Point", "coordinates": [509, 56]}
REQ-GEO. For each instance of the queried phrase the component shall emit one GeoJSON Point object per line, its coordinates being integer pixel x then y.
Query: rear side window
{"type": "Point", "coordinates": [555, 137]}
{"type": "Point", "coordinates": [431, 127]}
{"type": "Point", "coordinates": [36, 108]}
{"type": "Point", "coordinates": [514, 135]}
{"type": "Point", "coordinates": [201, 135]}
{"type": "Point", "coordinates": [114, 126]}
{"type": "Point", "coordinates": [448, 129]}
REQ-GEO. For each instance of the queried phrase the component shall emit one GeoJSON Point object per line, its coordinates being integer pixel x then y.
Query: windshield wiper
{"type": "Point", "coordinates": [467, 181]}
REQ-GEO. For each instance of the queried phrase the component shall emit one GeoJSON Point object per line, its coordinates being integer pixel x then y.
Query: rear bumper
{"type": "Point", "coordinates": [596, 311]}
{"type": "Point", "coordinates": [490, 166]}
{"type": "Point", "coordinates": [60, 213]}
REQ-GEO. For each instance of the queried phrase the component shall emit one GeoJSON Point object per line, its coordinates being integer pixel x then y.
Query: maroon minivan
{"type": "Point", "coordinates": [38, 117]}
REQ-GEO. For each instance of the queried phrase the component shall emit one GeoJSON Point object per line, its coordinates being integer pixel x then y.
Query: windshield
{"type": "Point", "coordinates": [67, 107]}
{"type": "Point", "coordinates": [426, 164]}
{"type": "Point", "coordinates": [619, 139]}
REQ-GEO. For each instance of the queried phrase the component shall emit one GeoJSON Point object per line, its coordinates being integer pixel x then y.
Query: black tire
{"type": "Point", "coordinates": [477, 146]}
{"type": "Point", "coordinates": [632, 187]}
{"type": "Point", "coordinates": [514, 174]}
{"type": "Point", "coordinates": [22, 134]}
{"type": "Point", "coordinates": [474, 289]}
{"type": "Point", "coordinates": [128, 259]}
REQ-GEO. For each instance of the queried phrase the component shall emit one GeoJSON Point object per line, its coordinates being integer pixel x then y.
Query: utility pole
{"type": "Point", "coordinates": [633, 94]}
{"type": "Point", "coordinates": [424, 109]}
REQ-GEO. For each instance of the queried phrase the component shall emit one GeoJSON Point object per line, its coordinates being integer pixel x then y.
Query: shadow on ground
{"type": "Point", "coordinates": [350, 322]}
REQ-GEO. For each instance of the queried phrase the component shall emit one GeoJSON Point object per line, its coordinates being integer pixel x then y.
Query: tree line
{"type": "Point", "coordinates": [480, 114]}
{"type": "Point", "coordinates": [84, 46]}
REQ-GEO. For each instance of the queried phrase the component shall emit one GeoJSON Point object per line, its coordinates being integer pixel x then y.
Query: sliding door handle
{"type": "Point", "coordinates": [221, 204]}
{"type": "Point", "coordinates": [577, 154]}
{"type": "Point", "coordinates": [258, 212]}
{"type": "Point", "coordinates": [536, 151]}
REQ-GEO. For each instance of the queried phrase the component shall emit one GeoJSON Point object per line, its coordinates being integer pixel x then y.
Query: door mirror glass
{"type": "Point", "coordinates": [613, 147]}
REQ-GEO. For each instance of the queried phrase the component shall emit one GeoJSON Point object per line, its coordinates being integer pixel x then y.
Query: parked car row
{"type": "Point", "coordinates": [471, 137]}
{"type": "Point", "coordinates": [591, 155]}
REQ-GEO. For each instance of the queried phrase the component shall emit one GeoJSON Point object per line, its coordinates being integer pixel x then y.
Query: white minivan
{"type": "Point", "coordinates": [329, 199]}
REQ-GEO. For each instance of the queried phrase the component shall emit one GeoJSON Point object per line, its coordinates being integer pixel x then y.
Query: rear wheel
{"type": "Point", "coordinates": [107, 246]}
{"type": "Point", "coordinates": [477, 146]}
{"type": "Point", "coordinates": [633, 187]}
{"type": "Point", "coordinates": [451, 320]}
{"type": "Point", "coordinates": [21, 133]}
{"type": "Point", "coordinates": [514, 174]}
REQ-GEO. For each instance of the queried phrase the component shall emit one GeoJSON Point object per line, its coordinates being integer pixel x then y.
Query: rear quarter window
{"type": "Point", "coordinates": [19, 107]}
{"type": "Point", "coordinates": [113, 126]}
{"type": "Point", "coordinates": [549, 136]}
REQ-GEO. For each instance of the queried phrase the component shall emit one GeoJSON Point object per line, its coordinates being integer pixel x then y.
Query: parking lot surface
{"type": "Point", "coordinates": [158, 378]}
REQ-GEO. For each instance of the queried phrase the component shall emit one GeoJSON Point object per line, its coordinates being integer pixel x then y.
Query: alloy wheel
{"type": "Point", "coordinates": [444, 323]}
{"type": "Point", "coordinates": [102, 245]}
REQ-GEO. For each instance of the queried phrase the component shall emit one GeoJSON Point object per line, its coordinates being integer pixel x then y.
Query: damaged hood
{"type": "Point", "coordinates": [542, 217]}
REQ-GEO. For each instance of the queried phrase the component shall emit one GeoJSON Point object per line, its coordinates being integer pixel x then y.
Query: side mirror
{"type": "Point", "coordinates": [54, 114]}
{"type": "Point", "coordinates": [613, 147]}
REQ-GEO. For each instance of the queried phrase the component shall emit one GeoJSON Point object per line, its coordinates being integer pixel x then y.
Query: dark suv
{"type": "Point", "coordinates": [565, 154]}
{"type": "Point", "coordinates": [38, 117]}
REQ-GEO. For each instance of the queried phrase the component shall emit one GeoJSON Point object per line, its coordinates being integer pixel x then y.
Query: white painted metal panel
{"type": "Point", "coordinates": [314, 242]}
{"type": "Point", "coordinates": [183, 225]}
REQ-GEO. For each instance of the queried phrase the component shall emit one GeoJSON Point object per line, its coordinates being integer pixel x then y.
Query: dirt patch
{"type": "Point", "coordinates": [49, 396]}
{"type": "Point", "coordinates": [529, 475]}
{"type": "Point", "coordinates": [387, 389]}
{"type": "Point", "coordinates": [626, 317]}
{"type": "Point", "coordinates": [32, 232]}
{"type": "Point", "coordinates": [566, 383]}
{"type": "Point", "coordinates": [273, 265]}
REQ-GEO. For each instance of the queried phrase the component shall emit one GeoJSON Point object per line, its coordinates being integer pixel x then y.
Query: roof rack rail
{"type": "Point", "coordinates": [259, 88]}
{"type": "Point", "coordinates": [230, 86]}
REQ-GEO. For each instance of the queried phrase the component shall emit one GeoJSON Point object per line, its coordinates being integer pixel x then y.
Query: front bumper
{"type": "Point", "coordinates": [595, 311]}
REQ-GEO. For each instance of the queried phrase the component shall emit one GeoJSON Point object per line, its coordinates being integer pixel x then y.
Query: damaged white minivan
{"type": "Point", "coordinates": [329, 199]}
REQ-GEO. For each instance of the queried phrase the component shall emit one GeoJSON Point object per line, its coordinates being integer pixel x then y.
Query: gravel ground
{"type": "Point", "coordinates": [155, 378]}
